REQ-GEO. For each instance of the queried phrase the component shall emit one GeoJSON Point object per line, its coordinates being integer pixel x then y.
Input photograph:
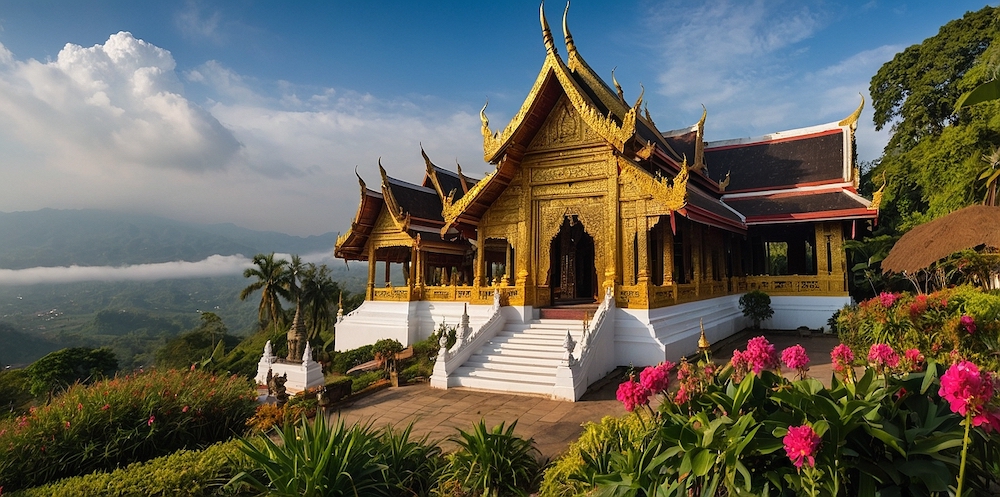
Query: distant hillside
{"type": "Point", "coordinates": [51, 237]}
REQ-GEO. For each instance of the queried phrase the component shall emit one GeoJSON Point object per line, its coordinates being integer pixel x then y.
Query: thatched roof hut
{"type": "Point", "coordinates": [971, 227]}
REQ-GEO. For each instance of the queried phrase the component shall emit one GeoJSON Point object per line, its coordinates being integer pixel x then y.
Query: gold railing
{"type": "Point", "coordinates": [645, 296]}
{"type": "Point", "coordinates": [798, 285]}
{"type": "Point", "coordinates": [392, 294]}
{"type": "Point", "coordinates": [509, 295]}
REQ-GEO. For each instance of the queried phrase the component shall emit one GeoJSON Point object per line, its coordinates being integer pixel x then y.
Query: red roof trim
{"type": "Point", "coordinates": [859, 213]}
{"type": "Point", "coordinates": [778, 140]}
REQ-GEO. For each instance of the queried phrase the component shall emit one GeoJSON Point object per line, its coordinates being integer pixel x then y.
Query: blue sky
{"type": "Point", "coordinates": [258, 112]}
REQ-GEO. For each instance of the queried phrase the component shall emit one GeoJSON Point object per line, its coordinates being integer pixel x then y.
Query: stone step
{"type": "Point", "coordinates": [521, 352]}
{"type": "Point", "coordinates": [508, 376]}
{"type": "Point", "coordinates": [533, 368]}
{"type": "Point", "coordinates": [500, 385]}
{"type": "Point", "coordinates": [509, 347]}
{"type": "Point", "coordinates": [514, 360]}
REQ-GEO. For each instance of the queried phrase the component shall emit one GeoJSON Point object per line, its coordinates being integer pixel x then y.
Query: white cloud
{"type": "Point", "coordinates": [116, 104]}
{"type": "Point", "coordinates": [195, 23]}
{"type": "Point", "coordinates": [216, 265]}
{"type": "Point", "coordinates": [111, 127]}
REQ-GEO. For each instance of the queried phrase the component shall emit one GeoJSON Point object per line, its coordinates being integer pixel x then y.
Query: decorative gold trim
{"type": "Point", "coordinates": [550, 45]}
{"type": "Point", "coordinates": [646, 151]}
{"type": "Point", "coordinates": [877, 196]}
{"type": "Point", "coordinates": [432, 174]}
{"type": "Point", "coordinates": [450, 211]}
{"type": "Point", "coordinates": [699, 144]}
{"type": "Point", "coordinates": [724, 183]}
{"type": "Point", "coordinates": [402, 219]}
{"type": "Point", "coordinates": [570, 46]}
{"type": "Point", "coordinates": [357, 217]}
{"type": "Point", "coordinates": [618, 87]}
{"type": "Point", "coordinates": [462, 179]}
{"type": "Point", "coordinates": [671, 193]}
{"type": "Point", "coordinates": [852, 120]}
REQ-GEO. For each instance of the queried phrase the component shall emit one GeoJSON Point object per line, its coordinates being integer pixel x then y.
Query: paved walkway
{"type": "Point", "coordinates": [553, 424]}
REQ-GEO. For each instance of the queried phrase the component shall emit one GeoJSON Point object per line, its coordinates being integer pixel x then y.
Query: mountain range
{"type": "Point", "coordinates": [51, 237]}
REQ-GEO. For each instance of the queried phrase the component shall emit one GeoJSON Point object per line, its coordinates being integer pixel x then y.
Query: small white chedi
{"type": "Point", "coordinates": [302, 375]}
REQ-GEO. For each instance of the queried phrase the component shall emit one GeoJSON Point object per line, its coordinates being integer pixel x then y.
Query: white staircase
{"type": "Point", "coordinates": [521, 358]}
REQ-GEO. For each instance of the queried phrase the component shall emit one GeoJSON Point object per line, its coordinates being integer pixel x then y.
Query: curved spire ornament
{"type": "Point", "coordinates": [618, 87]}
{"type": "Point", "coordinates": [852, 120]}
{"type": "Point", "coordinates": [570, 46]}
{"type": "Point", "coordinates": [550, 45]}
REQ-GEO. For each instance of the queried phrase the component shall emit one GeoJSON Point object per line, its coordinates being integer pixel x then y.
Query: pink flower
{"type": "Point", "coordinates": [106, 407]}
{"type": "Point", "coordinates": [795, 357]}
{"type": "Point", "coordinates": [682, 395]}
{"type": "Point", "coordinates": [968, 323]}
{"type": "Point", "coordinates": [801, 443]}
{"type": "Point", "coordinates": [914, 359]}
{"type": "Point", "coordinates": [842, 357]}
{"type": "Point", "coordinates": [760, 355]}
{"type": "Point", "coordinates": [79, 407]}
{"type": "Point", "coordinates": [67, 425]}
{"type": "Point", "coordinates": [883, 356]}
{"type": "Point", "coordinates": [656, 378]}
{"type": "Point", "coordinates": [185, 409]}
{"type": "Point", "coordinates": [966, 389]}
{"type": "Point", "coordinates": [151, 419]}
{"type": "Point", "coordinates": [887, 299]}
{"type": "Point", "coordinates": [632, 394]}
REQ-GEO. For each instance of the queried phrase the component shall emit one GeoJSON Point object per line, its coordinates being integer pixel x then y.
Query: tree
{"type": "Point", "coordinates": [272, 280]}
{"type": "Point", "coordinates": [195, 345]}
{"type": "Point", "coordinates": [932, 161]}
{"type": "Point", "coordinates": [319, 294]}
{"type": "Point", "coordinates": [64, 367]}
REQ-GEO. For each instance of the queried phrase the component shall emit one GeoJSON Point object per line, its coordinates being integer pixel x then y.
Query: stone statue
{"type": "Point", "coordinates": [277, 385]}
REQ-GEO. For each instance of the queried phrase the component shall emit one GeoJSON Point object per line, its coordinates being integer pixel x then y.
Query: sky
{"type": "Point", "coordinates": [257, 113]}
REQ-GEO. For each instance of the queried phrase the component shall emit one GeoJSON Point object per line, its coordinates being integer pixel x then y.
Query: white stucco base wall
{"type": "Point", "coordinates": [646, 337]}
{"type": "Point", "coordinates": [793, 312]}
{"type": "Point", "coordinates": [407, 322]}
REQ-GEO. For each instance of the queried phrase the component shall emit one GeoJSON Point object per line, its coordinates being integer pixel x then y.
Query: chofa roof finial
{"type": "Point", "coordinates": [550, 45]}
{"type": "Point", "coordinates": [570, 46]}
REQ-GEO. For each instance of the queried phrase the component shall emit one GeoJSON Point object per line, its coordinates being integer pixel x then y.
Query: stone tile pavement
{"type": "Point", "coordinates": [553, 424]}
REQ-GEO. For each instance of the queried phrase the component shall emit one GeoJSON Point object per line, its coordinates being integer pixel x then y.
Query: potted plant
{"type": "Point", "coordinates": [756, 305]}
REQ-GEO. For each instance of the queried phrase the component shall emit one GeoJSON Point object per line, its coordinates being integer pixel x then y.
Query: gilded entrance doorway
{"type": "Point", "coordinates": [573, 277]}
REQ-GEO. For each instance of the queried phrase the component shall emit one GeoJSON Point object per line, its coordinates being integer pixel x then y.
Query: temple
{"type": "Point", "coordinates": [598, 240]}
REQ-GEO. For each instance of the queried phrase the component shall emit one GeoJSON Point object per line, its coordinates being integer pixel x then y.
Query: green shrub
{"type": "Point", "coordinates": [571, 475]}
{"type": "Point", "coordinates": [123, 420]}
{"type": "Point", "coordinates": [191, 473]}
{"type": "Point", "coordinates": [885, 433]}
{"type": "Point", "coordinates": [314, 458]}
{"type": "Point", "coordinates": [341, 362]}
{"type": "Point", "coordinates": [756, 305]}
{"type": "Point", "coordinates": [366, 379]}
{"type": "Point", "coordinates": [931, 323]}
{"type": "Point", "coordinates": [386, 350]}
{"type": "Point", "coordinates": [491, 462]}
{"type": "Point", "coordinates": [15, 393]}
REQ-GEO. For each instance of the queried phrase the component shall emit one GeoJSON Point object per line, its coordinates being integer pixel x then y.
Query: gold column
{"type": "Point", "coordinates": [371, 271]}
{"type": "Point", "coordinates": [506, 267]}
{"type": "Point", "coordinates": [642, 230]}
{"type": "Point", "coordinates": [697, 247]}
{"type": "Point", "coordinates": [668, 254]}
{"type": "Point", "coordinates": [480, 259]}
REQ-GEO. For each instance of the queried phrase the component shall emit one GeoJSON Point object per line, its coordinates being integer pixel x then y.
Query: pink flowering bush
{"type": "Point", "coordinates": [898, 414]}
{"type": "Point", "coordinates": [842, 358]}
{"type": "Point", "coordinates": [883, 357]}
{"type": "Point", "coordinates": [115, 422]}
{"type": "Point", "coordinates": [801, 444]}
{"type": "Point", "coordinates": [795, 357]}
{"type": "Point", "coordinates": [963, 318]}
{"type": "Point", "coordinates": [632, 394]}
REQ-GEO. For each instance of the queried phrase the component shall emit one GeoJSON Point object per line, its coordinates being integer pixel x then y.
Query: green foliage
{"type": "Point", "coordinates": [443, 329]}
{"type": "Point", "coordinates": [272, 278]}
{"type": "Point", "coordinates": [119, 421]}
{"type": "Point", "coordinates": [15, 392]}
{"type": "Point", "coordinates": [386, 350]}
{"type": "Point", "coordinates": [575, 471]}
{"type": "Point", "coordinates": [314, 458]}
{"type": "Point", "coordinates": [929, 323]}
{"type": "Point", "coordinates": [121, 322]}
{"type": "Point", "coordinates": [932, 161]}
{"type": "Point", "coordinates": [187, 473]}
{"type": "Point", "coordinates": [756, 305]}
{"type": "Point", "coordinates": [886, 434]}
{"type": "Point", "coordinates": [341, 362]}
{"type": "Point", "coordinates": [366, 379]}
{"type": "Point", "coordinates": [60, 369]}
{"type": "Point", "coordinates": [318, 296]}
{"type": "Point", "coordinates": [197, 345]}
{"type": "Point", "coordinates": [491, 462]}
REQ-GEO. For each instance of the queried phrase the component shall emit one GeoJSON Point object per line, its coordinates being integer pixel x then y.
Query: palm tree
{"type": "Point", "coordinates": [318, 294]}
{"type": "Point", "coordinates": [272, 279]}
